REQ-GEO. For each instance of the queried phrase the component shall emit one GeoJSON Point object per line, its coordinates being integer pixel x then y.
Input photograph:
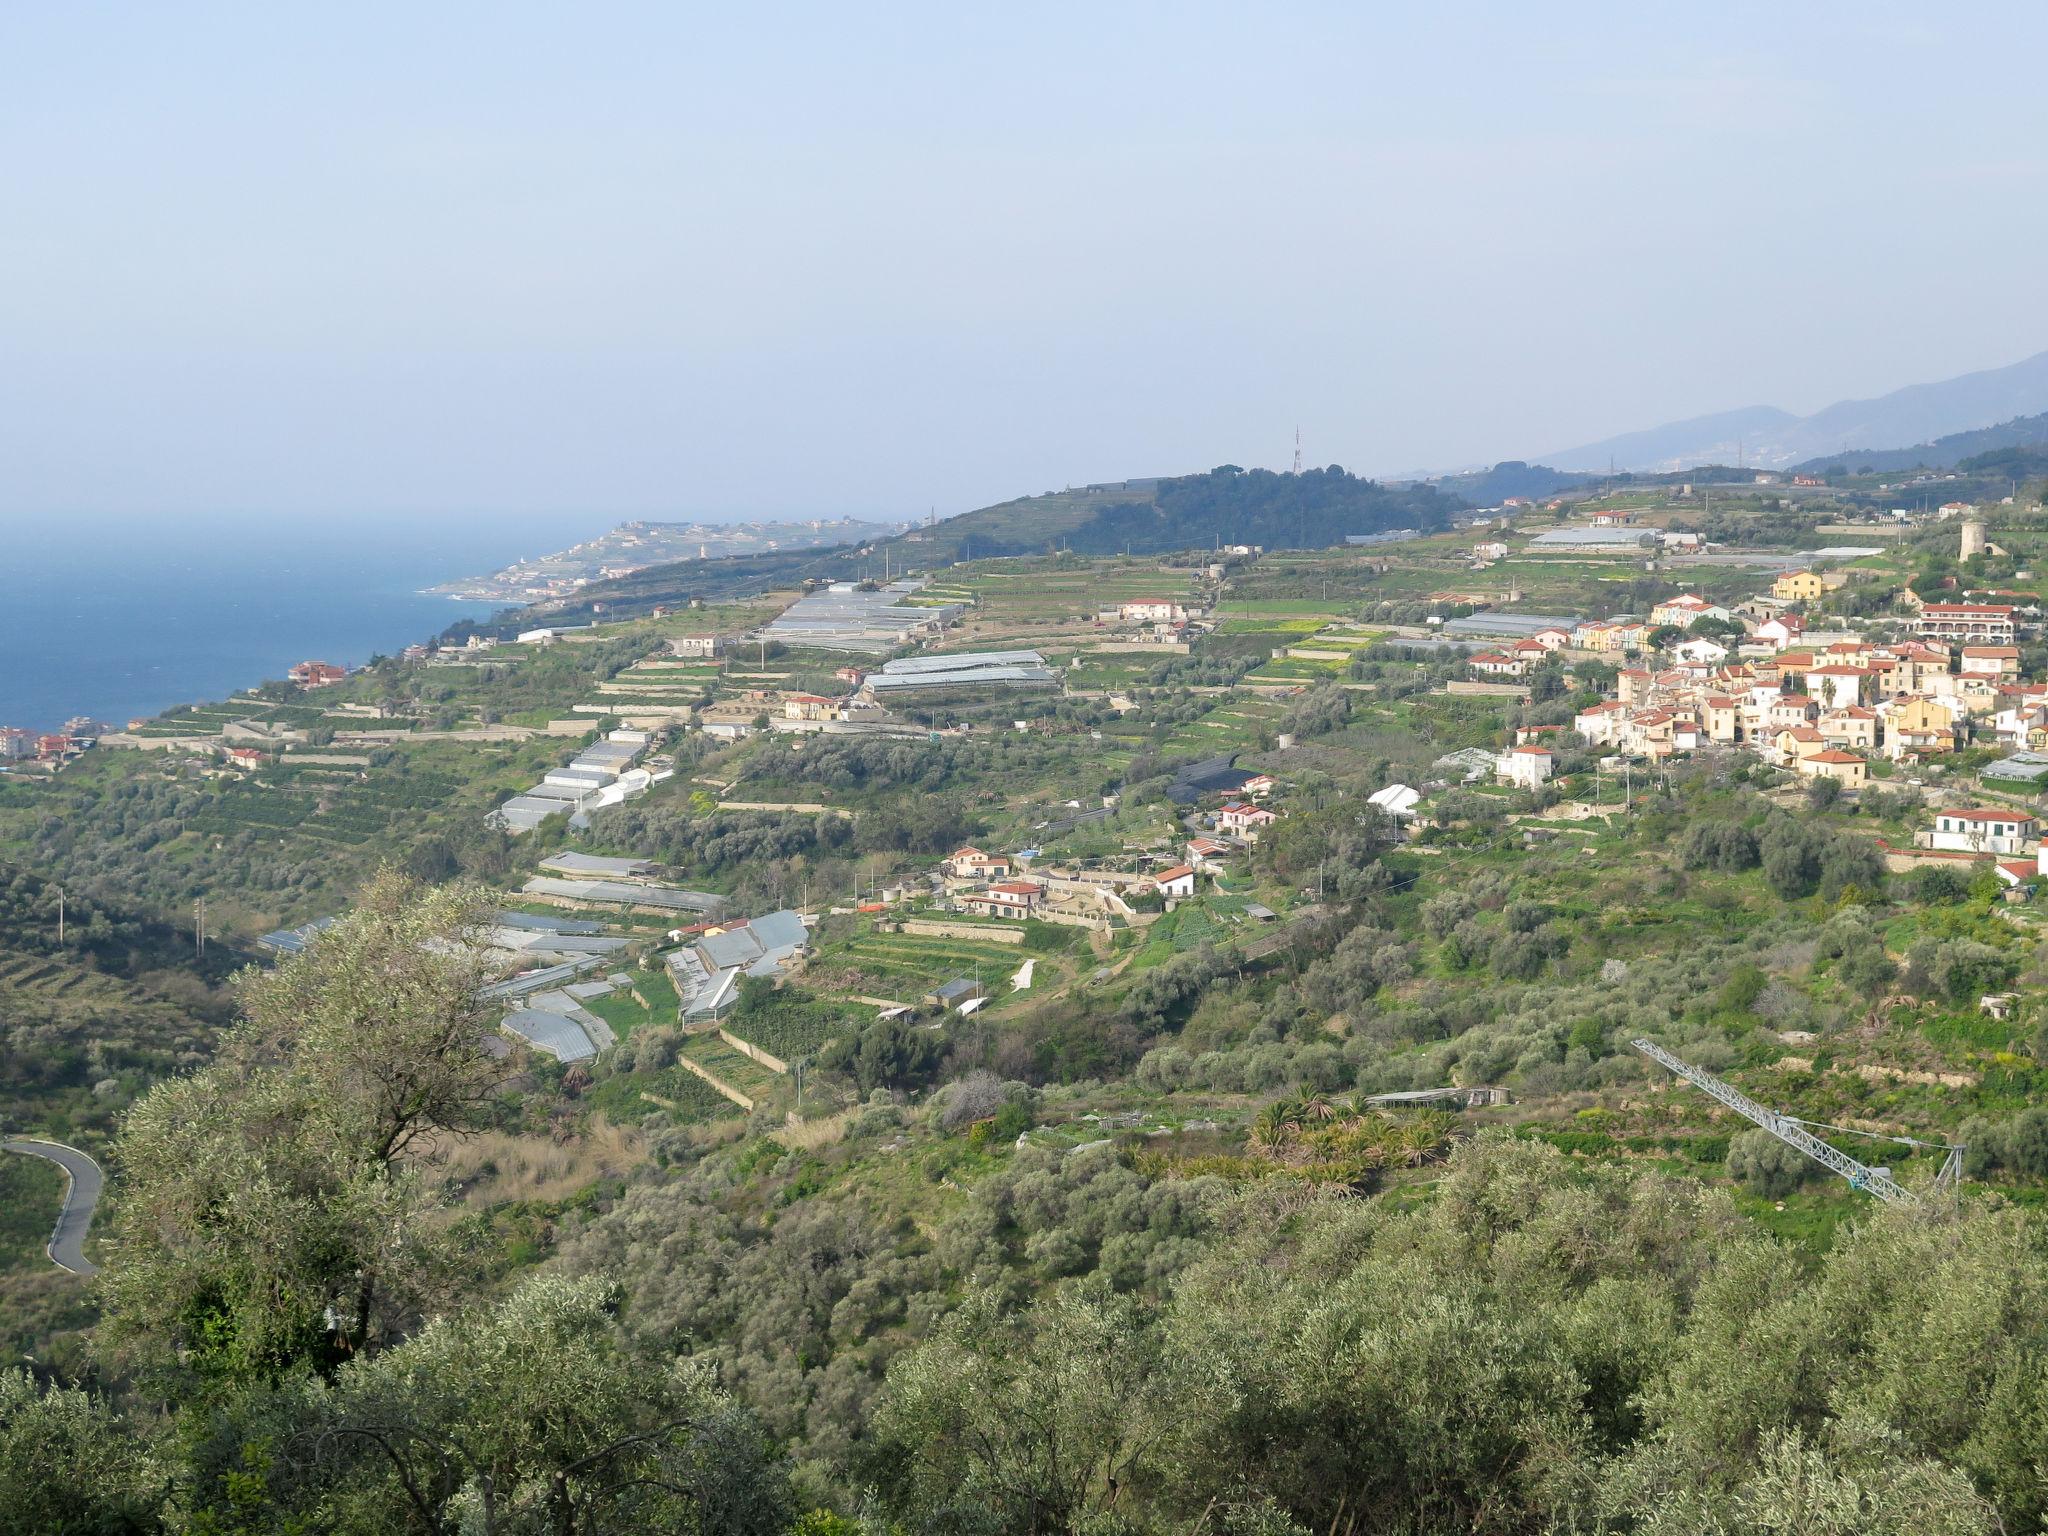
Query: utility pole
{"type": "Point", "coordinates": [60, 917]}
{"type": "Point", "coordinates": [199, 925]}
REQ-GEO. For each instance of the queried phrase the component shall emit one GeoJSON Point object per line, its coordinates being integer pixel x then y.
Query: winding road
{"type": "Point", "coordinates": [66, 1247]}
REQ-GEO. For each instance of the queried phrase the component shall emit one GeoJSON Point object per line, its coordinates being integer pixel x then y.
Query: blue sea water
{"type": "Point", "coordinates": [121, 617]}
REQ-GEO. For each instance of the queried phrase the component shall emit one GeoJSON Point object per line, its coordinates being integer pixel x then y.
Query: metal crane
{"type": "Point", "coordinates": [1794, 1132]}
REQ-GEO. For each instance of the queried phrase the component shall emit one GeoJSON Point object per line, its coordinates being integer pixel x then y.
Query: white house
{"type": "Point", "coordinates": [1835, 687]}
{"type": "Point", "coordinates": [1175, 882]}
{"type": "Point", "coordinates": [1779, 632]}
{"type": "Point", "coordinates": [1527, 767]}
{"type": "Point", "coordinates": [1983, 831]}
{"type": "Point", "coordinates": [1684, 609]}
{"type": "Point", "coordinates": [1151, 611]}
{"type": "Point", "coordinates": [1006, 898]}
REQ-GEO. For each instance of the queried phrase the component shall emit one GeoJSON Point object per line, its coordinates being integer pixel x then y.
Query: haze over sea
{"type": "Point", "coordinates": [119, 617]}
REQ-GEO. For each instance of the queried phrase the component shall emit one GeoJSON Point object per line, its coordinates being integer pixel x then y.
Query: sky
{"type": "Point", "coordinates": [792, 260]}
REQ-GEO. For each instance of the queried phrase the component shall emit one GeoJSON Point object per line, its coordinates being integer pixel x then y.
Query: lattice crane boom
{"type": "Point", "coordinates": [1877, 1181]}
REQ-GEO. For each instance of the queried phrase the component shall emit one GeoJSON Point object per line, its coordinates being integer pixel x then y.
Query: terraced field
{"type": "Point", "coordinates": [907, 965]}
{"type": "Point", "coordinates": [36, 976]}
{"type": "Point", "coordinates": [733, 1067]}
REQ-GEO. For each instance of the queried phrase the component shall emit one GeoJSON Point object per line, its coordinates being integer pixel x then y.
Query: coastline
{"type": "Point", "coordinates": [131, 618]}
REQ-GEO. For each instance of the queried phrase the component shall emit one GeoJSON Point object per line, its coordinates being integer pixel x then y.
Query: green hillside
{"type": "Point", "coordinates": [1228, 505]}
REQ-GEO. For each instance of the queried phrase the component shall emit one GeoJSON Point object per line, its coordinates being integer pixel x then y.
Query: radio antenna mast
{"type": "Point", "coordinates": [1297, 450]}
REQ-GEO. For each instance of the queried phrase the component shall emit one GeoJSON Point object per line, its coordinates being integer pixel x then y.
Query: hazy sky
{"type": "Point", "coordinates": [663, 259]}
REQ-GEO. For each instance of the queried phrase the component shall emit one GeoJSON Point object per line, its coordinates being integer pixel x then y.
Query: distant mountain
{"type": "Point", "coordinates": [1767, 437]}
{"type": "Point", "coordinates": [1943, 453]}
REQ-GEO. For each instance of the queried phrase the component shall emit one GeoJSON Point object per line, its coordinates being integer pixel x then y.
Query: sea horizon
{"type": "Point", "coordinates": [121, 617]}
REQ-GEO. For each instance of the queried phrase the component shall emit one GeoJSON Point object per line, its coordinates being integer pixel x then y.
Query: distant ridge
{"type": "Point", "coordinates": [1943, 453]}
{"type": "Point", "coordinates": [1770, 438]}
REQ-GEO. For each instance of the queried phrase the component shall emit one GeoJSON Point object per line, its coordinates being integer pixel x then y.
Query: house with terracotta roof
{"type": "Point", "coordinates": [1795, 743]}
{"type": "Point", "coordinates": [1982, 829]}
{"type": "Point", "coordinates": [970, 863]}
{"type": "Point", "coordinates": [1921, 726]}
{"type": "Point", "coordinates": [316, 674]}
{"type": "Point", "coordinates": [1969, 623]}
{"type": "Point", "coordinates": [1006, 898]}
{"type": "Point", "coordinates": [1244, 821]}
{"type": "Point", "coordinates": [1176, 882]}
{"type": "Point", "coordinates": [1852, 729]}
{"type": "Point", "coordinates": [1495, 664]}
{"type": "Point", "coordinates": [1845, 768]}
{"type": "Point", "coordinates": [1781, 631]}
{"type": "Point", "coordinates": [1991, 661]}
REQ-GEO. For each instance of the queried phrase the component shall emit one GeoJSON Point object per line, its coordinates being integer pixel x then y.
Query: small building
{"type": "Point", "coordinates": [1175, 882]}
{"type": "Point", "coordinates": [951, 994]}
{"type": "Point", "coordinates": [1207, 852]}
{"type": "Point", "coordinates": [699, 647]}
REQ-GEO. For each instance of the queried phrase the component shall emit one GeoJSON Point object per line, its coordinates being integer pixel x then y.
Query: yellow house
{"type": "Point", "coordinates": [1845, 768]}
{"type": "Point", "coordinates": [1796, 742]}
{"type": "Point", "coordinates": [1854, 728]}
{"type": "Point", "coordinates": [1920, 724]}
{"type": "Point", "coordinates": [1798, 587]}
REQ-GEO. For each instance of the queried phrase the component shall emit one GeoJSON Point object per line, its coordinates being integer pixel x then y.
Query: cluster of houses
{"type": "Point", "coordinates": [1821, 704]}
{"type": "Point", "coordinates": [999, 885]}
{"type": "Point", "coordinates": [50, 749]}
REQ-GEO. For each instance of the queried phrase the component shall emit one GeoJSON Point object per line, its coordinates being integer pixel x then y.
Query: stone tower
{"type": "Point", "coordinates": [1973, 538]}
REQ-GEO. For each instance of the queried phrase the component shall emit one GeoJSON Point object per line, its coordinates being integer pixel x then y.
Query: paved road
{"type": "Point", "coordinates": [82, 1192]}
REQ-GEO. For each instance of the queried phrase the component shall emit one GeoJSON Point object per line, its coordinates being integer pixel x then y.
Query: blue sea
{"type": "Point", "coordinates": [121, 617]}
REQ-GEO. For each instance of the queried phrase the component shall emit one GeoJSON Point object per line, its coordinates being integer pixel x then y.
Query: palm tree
{"type": "Point", "coordinates": [1313, 1104]}
{"type": "Point", "coordinates": [1273, 1129]}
